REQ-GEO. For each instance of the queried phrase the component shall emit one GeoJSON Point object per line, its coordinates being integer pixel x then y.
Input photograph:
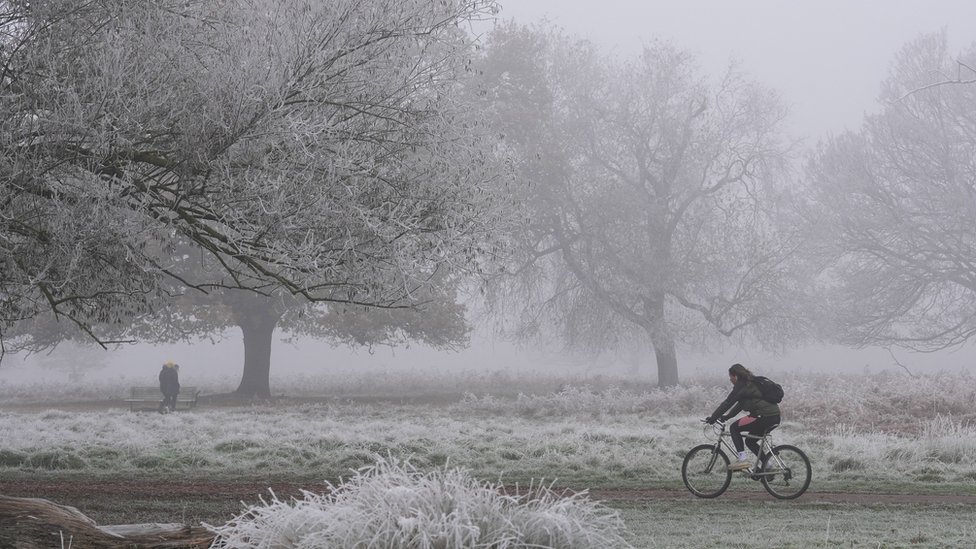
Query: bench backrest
{"type": "Point", "coordinates": [186, 392]}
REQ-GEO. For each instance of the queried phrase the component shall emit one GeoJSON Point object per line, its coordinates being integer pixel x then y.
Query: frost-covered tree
{"type": "Point", "coordinates": [311, 149]}
{"type": "Point", "coordinates": [894, 207]}
{"type": "Point", "coordinates": [647, 192]}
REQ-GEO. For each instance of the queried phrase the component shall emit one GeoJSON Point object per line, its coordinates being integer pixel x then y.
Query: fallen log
{"type": "Point", "coordinates": [33, 523]}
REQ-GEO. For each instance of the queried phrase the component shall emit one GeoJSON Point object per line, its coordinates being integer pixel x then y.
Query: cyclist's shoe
{"type": "Point", "coordinates": [740, 465]}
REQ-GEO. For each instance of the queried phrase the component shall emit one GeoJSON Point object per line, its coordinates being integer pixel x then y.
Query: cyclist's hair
{"type": "Point", "coordinates": [739, 370]}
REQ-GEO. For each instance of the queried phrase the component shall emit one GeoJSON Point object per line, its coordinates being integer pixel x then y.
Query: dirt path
{"type": "Point", "coordinates": [251, 490]}
{"type": "Point", "coordinates": [811, 496]}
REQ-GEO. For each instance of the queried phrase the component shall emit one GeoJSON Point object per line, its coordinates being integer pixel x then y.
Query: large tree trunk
{"type": "Point", "coordinates": [256, 380]}
{"type": "Point", "coordinates": [634, 355]}
{"type": "Point", "coordinates": [257, 319]}
{"type": "Point", "coordinates": [667, 362]}
{"type": "Point", "coordinates": [663, 342]}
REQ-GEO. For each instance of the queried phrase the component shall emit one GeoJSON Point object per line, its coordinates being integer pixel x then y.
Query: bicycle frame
{"type": "Point", "coordinates": [765, 448]}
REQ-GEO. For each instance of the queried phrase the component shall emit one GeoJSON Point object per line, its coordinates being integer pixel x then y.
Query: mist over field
{"type": "Point", "coordinates": [217, 366]}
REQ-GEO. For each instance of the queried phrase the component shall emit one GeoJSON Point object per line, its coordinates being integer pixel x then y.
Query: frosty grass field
{"type": "Point", "coordinates": [885, 434]}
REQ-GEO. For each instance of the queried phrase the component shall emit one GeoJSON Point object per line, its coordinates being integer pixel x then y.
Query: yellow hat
{"type": "Point", "coordinates": [169, 364]}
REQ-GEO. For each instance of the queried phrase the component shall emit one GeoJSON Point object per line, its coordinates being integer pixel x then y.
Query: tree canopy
{"type": "Point", "coordinates": [317, 149]}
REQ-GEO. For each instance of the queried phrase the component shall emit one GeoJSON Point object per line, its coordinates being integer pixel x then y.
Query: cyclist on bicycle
{"type": "Point", "coordinates": [763, 415]}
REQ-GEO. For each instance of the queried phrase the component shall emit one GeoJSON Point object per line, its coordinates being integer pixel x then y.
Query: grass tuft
{"type": "Point", "coordinates": [57, 459]}
{"type": "Point", "coordinates": [393, 505]}
{"type": "Point", "coordinates": [848, 464]}
{"type": "Point", "coordinates": [9, 458]}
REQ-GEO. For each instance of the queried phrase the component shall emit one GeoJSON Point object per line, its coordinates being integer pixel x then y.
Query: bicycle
{"type": "Point", "coordinates": [785, 473]}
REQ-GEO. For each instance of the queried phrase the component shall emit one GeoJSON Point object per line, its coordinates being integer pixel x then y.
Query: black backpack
{"type": "Point", "coordinates": [769, 389]}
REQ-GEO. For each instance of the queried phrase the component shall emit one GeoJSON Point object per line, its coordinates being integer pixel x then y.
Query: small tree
{"type": "Point", "coordinates": [894, 205]}
{"type": "Point", "coordinates": [647, 191]}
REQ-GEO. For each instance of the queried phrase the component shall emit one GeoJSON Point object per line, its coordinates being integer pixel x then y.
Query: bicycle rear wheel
{"type": "Point", "coordinates": [705, 471]}
{"type": "Point", "coordinates": [786, 473]}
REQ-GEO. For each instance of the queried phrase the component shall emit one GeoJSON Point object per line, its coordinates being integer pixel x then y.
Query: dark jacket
{"type": "Point", "coordinates": [169, 381]}
{"type": "Point", "coordinates": [745, 395]}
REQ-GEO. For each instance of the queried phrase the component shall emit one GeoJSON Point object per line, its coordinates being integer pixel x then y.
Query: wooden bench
{"type": "Point", "coordinates": [149, 398]}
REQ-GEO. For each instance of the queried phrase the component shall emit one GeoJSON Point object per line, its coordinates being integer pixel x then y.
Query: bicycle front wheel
{"type": "Point", "coordinates": [786, 473]}
{"type": "Point", "coordinates": [705, 471]}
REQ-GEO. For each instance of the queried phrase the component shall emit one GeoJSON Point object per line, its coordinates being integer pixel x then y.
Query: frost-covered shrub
{"type": "Point", "coordinates": [392, 505]}
{"type": "Point", "coordinates": [889, 403]}
{"type": "Point", "coordinates": [943, 440]}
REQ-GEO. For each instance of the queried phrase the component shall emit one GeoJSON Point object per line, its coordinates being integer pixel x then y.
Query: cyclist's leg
{"type": "Point", "coordinates": [741, 461]}
{"type": "Point", "coordinates": [760, 427]}
{"type": "Point", "coordinates": [735, 430]}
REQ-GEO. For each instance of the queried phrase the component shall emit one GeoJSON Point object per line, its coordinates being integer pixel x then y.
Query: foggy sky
{"type": "Point", "coordinates": [826, 57]}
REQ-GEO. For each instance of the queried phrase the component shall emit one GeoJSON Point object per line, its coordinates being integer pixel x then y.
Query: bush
{"type": "Point", "coordinates": [394, 506]}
